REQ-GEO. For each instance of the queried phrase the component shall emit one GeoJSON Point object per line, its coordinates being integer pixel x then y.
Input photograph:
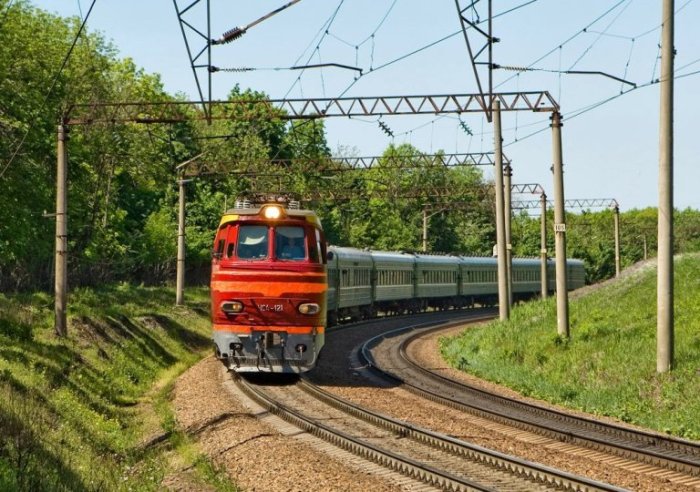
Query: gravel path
{"type": "Point", "coordinates": [254, 454]}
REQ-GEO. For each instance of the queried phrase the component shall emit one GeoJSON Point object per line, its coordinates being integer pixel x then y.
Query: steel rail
{"type": "Point", "coordinates": [367, 451]}
{"type": "Point", "coordinates": [532, 473]}
{"type": "Point", "coordinates": [670, 453]}
{"type": "Point", "coordinates": [527, 470]}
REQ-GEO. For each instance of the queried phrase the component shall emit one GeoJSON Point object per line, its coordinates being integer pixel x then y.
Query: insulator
{"type": "Point", "coordinates": [515, 69]}
{"type": "Point", "coordinates": [385, 128]}
{"type": "Point", "coordinates": [230, 35]}
{"type": "Point", "coordinates": [235, 69]}
{"type": "Point", "coordinates": [466, 128]}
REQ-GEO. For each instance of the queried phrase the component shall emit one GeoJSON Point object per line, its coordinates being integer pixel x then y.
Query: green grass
{"type": "Point", "coordinates": [74, 411]}
{"type": "Point", "coordinates": [608, 365]}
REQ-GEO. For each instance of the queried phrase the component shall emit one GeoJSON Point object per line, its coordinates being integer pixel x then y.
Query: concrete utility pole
{"type": "Point", "coordinates": [503, 305]}
{"type": "Point", "coordinates": [180, 283]}
{"type": "Point", "coordinates": [61, 255]}
{"type": "Point", "coordinates": [664, 284]}
{"type": "Point", "coordinates": [543, 246]}
{"type": "Point", "coordinates": [425, 230]}
{"type": "Point", "coordinates": [616, 216]}
{"type": "Point", "coordinates": [507, 192]}
{"type": "Point", "coordinates": [180, 275]}
{"type": "Point", "coordinates": [560, 229]}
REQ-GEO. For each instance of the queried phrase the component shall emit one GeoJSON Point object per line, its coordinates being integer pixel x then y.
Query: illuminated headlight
{"type": "Point", "coordinates": [232, 307]}
{"type": "Point", "coordinates": [309, 308]}
{"type": "Point", "coordinates": [272, 212]}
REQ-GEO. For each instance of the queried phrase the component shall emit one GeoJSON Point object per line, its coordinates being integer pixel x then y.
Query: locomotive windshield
{"type": "Point", "coordinates": [252, 242]}
{"type": "Point", "coordinates": [290, 243]}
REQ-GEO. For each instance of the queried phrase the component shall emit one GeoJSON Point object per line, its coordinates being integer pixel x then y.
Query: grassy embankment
{"type": "Point", "coordinates": [608, 366]}
{"type": "Point", "coordinates": [91, 412]}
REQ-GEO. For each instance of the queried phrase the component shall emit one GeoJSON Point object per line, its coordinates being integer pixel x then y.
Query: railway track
{"type": "Point", "coordinates": [437, 460]}
{"type": "Point", "coordinates": [642, 452]}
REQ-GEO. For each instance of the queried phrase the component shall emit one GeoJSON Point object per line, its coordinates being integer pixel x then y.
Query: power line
{"type": "Point", "coordinates": [48, 93]}
{"type": "Point", "coordinates": [588, 49]}
{"type": "Point", "coordinates": [324, 28]}
{"type": "Point", "coordinates": [578, 112]}
{"type": "Point", "coordinates": [569, 39]}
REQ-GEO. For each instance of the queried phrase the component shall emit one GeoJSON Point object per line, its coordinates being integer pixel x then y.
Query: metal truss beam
{"type": "Point", "coordinates": [532, 188]}
{"type": "Point", "coordinates": [582, 203]}
{"type": "Point", "coordinates": [296, 109]}
{"type": "Point", "coordinates": [448, 195]}
{"type": "Point", "coordinates": [349, 164]}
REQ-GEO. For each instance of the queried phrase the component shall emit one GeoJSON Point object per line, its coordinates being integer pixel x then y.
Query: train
{"type": "Point", "coordinates": [276, 285]}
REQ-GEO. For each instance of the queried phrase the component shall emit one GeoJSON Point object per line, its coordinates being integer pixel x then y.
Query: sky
{"type": "Point", "coordinates": [412, 47]}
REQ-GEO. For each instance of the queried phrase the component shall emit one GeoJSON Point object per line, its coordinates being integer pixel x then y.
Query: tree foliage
{"type": "Point", "coordinates": [591, 237]}
{"type": "Point", "coordinates": [123, 179]}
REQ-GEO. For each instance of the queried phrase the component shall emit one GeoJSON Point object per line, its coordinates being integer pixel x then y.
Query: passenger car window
{"type": "Point", "coordinates": [252, 242]}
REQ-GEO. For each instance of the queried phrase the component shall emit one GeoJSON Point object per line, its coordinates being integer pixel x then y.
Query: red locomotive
{"type": "Point", "coordinates": [268, 288]}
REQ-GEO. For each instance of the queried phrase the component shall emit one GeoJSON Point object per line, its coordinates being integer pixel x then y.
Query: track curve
{"type": "Point", "coordinates": [681, 458]}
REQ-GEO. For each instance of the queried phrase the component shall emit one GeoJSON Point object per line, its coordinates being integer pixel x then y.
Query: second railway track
{"type": "Point", "coordinates": [435, 459]}
{"type": "Point", "coordinates": [654, 453]}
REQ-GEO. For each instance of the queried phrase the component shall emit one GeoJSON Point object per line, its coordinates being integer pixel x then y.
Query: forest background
{"type": "Point", "coordinates": [123, 191]}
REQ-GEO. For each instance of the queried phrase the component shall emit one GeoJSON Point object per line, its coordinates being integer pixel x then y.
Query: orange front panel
{"type": "Point", "coordinates": [247, 329]}
{"type": "Point", "coordinates": [268, 287]}
{"type": "Point", "coordinates": [270, 298]}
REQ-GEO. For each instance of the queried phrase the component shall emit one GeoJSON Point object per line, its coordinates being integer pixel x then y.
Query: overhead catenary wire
{"type": "Point", "coordinates": [590, 46]}
{"type": "Point", "coordinates": [578, 112]}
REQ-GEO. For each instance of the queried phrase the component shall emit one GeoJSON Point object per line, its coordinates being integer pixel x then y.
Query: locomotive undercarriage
{"type": "Point", "coordinates": [268, 351]}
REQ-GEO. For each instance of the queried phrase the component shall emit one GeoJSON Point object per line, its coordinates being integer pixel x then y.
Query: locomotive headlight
{"type": "Point", "coordinates": [272, 212]}
{"type": "Point", "coordinates": [309, 308]}
{"type": "Point", "coordinates": [232, 307]}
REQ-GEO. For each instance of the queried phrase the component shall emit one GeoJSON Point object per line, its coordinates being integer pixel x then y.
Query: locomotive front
{"type": "Point", "coordinates": [268, 288]}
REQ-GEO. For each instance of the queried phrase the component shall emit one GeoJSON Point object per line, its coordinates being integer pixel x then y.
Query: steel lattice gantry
{"type": "Point", "coordinates": [350, 164]}
{"type": "Point", "coordinates": [294, 109]}
{"type": "Point", "coordinates": [584, 203]}
{"type": "Point", "coordinates": [283, 109]}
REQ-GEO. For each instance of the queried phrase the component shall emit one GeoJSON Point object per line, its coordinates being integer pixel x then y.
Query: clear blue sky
{"type": "Point", "coordinates": [609, 152]}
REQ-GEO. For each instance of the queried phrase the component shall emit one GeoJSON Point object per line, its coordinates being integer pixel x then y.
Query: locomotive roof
{"type": "Point", "coordinates": [234, 214]}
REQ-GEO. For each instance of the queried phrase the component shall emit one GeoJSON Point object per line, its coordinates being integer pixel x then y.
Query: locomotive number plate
{"type": "Point", "coordinates": [274, 308]}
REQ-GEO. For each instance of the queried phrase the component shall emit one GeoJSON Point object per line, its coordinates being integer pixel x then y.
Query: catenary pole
{"type": "Point", "coordinates": [61, 255]}
{"type": "Point", "coordinates": [664, 320]}
{"type": "Point", "coordinates": [507, 175]}
{"type": "Point", "coordinates": [425, 230]}
{"type": "Point", "coordinates": [560, 229]}
{"type": "Point", "coordinates": [180, 282]}
{"type": "Point", "coordinates": [543, 246]}
{"type": "Point", "coordinates": [503, 306]}
{"type": "Point", "coordinates": [616, 217]}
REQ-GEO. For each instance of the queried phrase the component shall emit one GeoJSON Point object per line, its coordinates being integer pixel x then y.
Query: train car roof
{"type": "Point", "coordinates": [346, 253]}
{"type": "Point", "coordinates": [478, 260]}
{"type": "Point", "coordinates": [425, 259]}
{"type": "Point", "coordinates": [393, 256]}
